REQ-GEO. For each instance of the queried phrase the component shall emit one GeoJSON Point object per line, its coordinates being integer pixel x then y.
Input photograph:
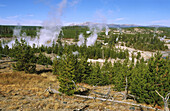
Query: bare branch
{"type": "Point", "coordinates": [159, 94]}
{"type": "Point", "coordinates": [52, 91]}
{"type": "Point", "coordinates": [165, 100]}
{"type": "Point", "coordinates": [74, 84]}
{"type": "Point", "coordinates": [122, 102]}
{"type": "Point", "coordinates": [167, 96]}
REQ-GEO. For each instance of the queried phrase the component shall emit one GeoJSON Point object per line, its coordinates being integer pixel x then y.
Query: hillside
{"type": "Point", "coordinates": [21, 91]}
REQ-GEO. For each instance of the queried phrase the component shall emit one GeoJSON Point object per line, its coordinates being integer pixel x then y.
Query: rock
{"type": "Point", "coordinates": [44, 75]}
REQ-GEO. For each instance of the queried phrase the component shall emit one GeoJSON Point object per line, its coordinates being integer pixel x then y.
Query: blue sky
{"type": "Point", "coordinates": [34, 12]}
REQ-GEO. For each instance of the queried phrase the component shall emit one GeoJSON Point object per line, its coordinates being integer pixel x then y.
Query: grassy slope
{"type": "Point", "coordinates": [26, 91]}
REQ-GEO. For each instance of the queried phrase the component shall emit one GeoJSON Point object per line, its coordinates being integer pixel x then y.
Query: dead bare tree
{"type": "Point", "coordinates": [106, 96]}
{"type": "Point", "coordinates": [74, 84]}
{"type": "Point", "coordinates": [115, 101]}
{"type": "Point", "coordinates": [125, 94]}
{"type": "Point", "coordinates": [165, 100]}
{"type": "Point", "coordinates": [52, 91]}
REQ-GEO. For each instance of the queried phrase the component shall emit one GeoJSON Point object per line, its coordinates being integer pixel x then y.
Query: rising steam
{"type": "Point", "coordinates": [17, 31]}
{"type": "Point", "coordinates": [81, 40]}
{"type": "Point", "coordinates": [95, 29]}
{"type": "Point", "coordinates": [49, 32]}
{"type": "Point", "coordinates": [106, 30]}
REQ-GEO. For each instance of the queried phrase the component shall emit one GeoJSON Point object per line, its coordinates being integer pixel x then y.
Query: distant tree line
{"type": "Point", "coordinates": [7, 30]}
{"type": "Point", "coordinates": [145, 42]}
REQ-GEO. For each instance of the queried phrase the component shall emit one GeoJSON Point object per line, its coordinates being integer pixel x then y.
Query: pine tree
{"type": "Point", "coordinates": [23, 57]}
{"type": "Point", "coordinates": [95, 76]}
{"type": "Point", "coordinates": [121, 72]}
{"type": "Point", "coordinates": [138, 55]}
{"type": "Point", "coordinates": [84, 70]}
{"type": "Point", "coordinates": [106, 73]}
{"type": "Point", "coordinates": [43, 60]}
{"type": "Point", "coordinates": [6, 50]}
{"type": "Point", "coordinates": [67, 74]}
{"type": "Point", "coordinates": [148, 78]}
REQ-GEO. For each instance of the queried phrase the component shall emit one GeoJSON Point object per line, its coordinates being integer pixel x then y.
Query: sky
{"type": "Point", "coordinates": [35, 12]}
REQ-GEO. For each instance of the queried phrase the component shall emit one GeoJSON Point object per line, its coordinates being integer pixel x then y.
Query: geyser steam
{"type": "Point", "coordinates": [50, 31]}
{"type": "Point", "coordinates": [81, 40]}
{"type": "Point", "coordinates": [52, 26]}
{"type": "Point", "coordinates": [17, 31]}
{"type": "Point", "coordinates": [95, 29]}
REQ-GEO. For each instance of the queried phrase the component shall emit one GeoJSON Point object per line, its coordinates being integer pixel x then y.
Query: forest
{"type": "Point", "coordinates": [147, 40]}
{"type": "Point", "coordinates": [144, 77]}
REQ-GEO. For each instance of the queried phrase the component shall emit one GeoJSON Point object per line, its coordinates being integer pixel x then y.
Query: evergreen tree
{"type": "Point", "coordinates": [23, 57]}
{"type": "Point", "coordinates": [106, 73]}
{"type": "Point", "coordinates": [121, 71]}
{"type": "Point", "coordinates": [67, 74]}
{"type": "Point", "coordinates": [95, 76]}
{"type": "Point", "coordinates": [6, 50]}
{"type": "Point", "coordinates": [43, 60]}
{"type": "Point", "coordinates": [151, 77]}
{"type": "Point", "coordinates": [138, 55]}
{"type": "Point", "coordinates": [84, 70]}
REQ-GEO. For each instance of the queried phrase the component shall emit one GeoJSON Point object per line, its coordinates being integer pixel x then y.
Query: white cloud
{"type": "Point", "coordinates": [2, 5]}
{"type": "Point", "coordinates": [20, 16]}
{"type": "Point", "coordinates": [61, 6]}
{"type": "Point", "coordinates": [31, 22]}
{"type": "Point", "coordinates": [30, 15]}
{"type": "Point", "coordinates": [71, 23]}
{"type": "Point", "coordinates": [74, 2]}
{"type": "Point", "coordinates": [161, 22]}
{"type": "Point", "coordinates": [100, 17]}
{"type": "Point", "coordinates": [110, 12]}
{"type": "Point", "coordinates": [13, 17]}
{"type": "Point", "coordinates": [119, 19]}
{"type": "Point", "coordinates": [28, 22]}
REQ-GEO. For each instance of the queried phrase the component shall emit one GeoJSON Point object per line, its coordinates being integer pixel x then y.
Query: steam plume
{"type": "Point", "coordinates": [107, 30]}
{"type": "Point", "coordinates": [50, 31]}
{"type": "Point", "coordinates": [95, 29]}
{"type": "Point", "coordinates": [81, 40]}
{"type": "Point", "coordinates": [17, 31]}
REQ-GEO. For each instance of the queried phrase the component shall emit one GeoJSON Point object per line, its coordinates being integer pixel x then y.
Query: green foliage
{"type": "Point", "coordinates": [84, 70]}
{"type": "Point", "coordinates": [6, 50]}
{"type": "Point", "coordinates": [68, 68]}
{"type": "Point", "coordinates": [67, 73]}
{"type": "Point", "coordinates": [7, 31]}
{"type": "Point", "coordinates": [95, 77]}
{"type": "Point", "coordinates": [24, 57]}
{"type": "Point", "coordinates": [74, 31]}
{"type": "Point", "coordinates": [43, 60]}
{"type": "Point", "coordinates": [143, 42]}
{"type": "Point", "coordinates": [143, 78]}
{"type": "Point", "coordinates": [106, 72]}
{"type": "Point", "coordinates": [57, 66]}
{"type": "Point", "coordinates": [151, 77]}
{"type": "Point", "coordinates": [138, 55]}
{"type": "Point", "coordinates": [120, 72]}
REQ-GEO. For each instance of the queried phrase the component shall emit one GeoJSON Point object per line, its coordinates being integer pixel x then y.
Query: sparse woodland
{"type": "Point", "coordinates": [144, 77]}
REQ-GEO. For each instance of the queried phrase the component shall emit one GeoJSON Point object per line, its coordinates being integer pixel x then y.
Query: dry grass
{"type": "Point", "coordinates": [19, 90]}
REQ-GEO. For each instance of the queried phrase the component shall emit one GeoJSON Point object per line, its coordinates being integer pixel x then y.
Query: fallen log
{"type": "Point", "coordinates": [115, 101]}
{"type": "Point", "coordinates": [53, 91]}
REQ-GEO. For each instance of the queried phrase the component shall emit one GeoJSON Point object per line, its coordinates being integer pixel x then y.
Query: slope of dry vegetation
{"type": "Point", "coordinates": [19, 90]}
